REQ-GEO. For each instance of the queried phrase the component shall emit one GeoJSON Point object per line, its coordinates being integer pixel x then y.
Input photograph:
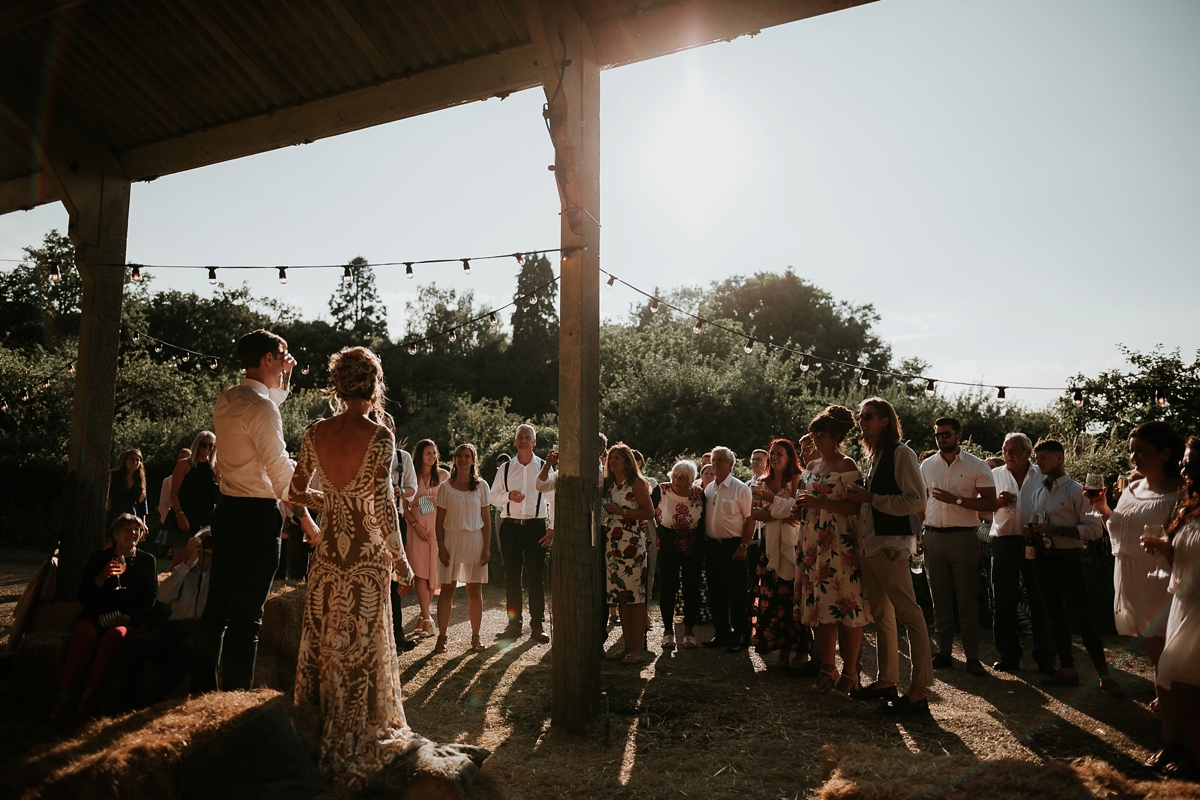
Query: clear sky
{"type": "Point", "coordinates": [1012, 183]}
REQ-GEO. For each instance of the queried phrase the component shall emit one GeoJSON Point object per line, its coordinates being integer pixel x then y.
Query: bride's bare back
{"type": "Point", "coordinates": [341, 443]}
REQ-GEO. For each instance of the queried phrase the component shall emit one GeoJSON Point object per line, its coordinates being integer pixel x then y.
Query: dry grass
{"type": "Point", "coordinates": [709, 724]}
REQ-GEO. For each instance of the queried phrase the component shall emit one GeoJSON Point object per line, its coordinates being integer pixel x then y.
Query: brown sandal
{"type": "Point", "coordinates": [440, 647]}
{"type": "Point", "coordinates": [844, 686]}
{"type": "Point", "coordinates": [825, 681]}
{"type": "Point", "coordinates": [477, 645]}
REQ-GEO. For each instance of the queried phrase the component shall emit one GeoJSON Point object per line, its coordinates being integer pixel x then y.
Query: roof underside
{"type": "Point", "coordinates": [170, 85]}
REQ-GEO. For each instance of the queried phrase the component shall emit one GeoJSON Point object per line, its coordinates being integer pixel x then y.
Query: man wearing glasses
{"type": "Point", "coordinates": [960, 486]}
{"type": "Point", "coordinates": [887, 527]}
{"type": "Point", "coordinates": [255, 473]}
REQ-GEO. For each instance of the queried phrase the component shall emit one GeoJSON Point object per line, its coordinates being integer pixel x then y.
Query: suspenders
{"type": "Point", "coordinates": [508, 506]}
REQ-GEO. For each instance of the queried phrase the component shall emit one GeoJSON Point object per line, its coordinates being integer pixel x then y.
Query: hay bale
{"type": "Point", "coordinates": [41, 659]}
{"type": "Point", "coordinates": [862, 772]}
{"type": "Point", "coordinates": [279, 638]}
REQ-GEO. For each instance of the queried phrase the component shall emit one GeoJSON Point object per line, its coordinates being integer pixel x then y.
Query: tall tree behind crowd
{"type": "Point", "coordinates": [356, 305]}
{"type": "Point", "coordinates": [533, 355]}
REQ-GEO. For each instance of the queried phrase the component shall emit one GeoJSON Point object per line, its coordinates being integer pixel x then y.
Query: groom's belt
{"type": "Point", "coordinates": [529, 521]}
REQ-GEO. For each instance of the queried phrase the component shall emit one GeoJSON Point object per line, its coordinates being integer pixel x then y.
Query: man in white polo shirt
{"type": "Point", "coordinates": [728, 527]}
{"type": "Point", "coordinates": [960, 486]}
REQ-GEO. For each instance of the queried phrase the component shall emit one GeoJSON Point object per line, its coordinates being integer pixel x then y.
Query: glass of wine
{"type": "Point", "coordinates": [1093, 485]}
{"type": "Point", "coordinates": [1156, 532]}
{"type": "Point", "coordinates": [120, 562]}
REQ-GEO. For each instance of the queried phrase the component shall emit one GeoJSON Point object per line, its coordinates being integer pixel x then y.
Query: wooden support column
{"type": "Point", "coordinates": [93, 186]}
{"type": "Point", "coordinates": [570, 75]}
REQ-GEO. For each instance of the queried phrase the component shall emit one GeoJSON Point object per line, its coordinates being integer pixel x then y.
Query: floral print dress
{"type": "Point", "coordinates": [830, 580]}
{"type": "Point", "coordinates": [625, 551]}
{"type": "Point", "coordinates": [773, 625]}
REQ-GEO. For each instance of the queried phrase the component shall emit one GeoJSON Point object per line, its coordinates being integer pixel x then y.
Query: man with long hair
{"type": "Point", "coordinates": [887, 528]}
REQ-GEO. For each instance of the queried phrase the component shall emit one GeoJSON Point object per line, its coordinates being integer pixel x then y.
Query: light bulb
{"type": "Point", "coordinates": [453, 335]}
{"type": "Point", "coordinates": [136, 336]}
{"type": "Point", "coordinates": [697, 326]}
{"type": "Point", "coordinates": [654, 305]}
{"type": "Point", "coordinates": [347, 275]}
{"type": "Point", "coordinates": [929, 390]}
{"type": "Point", "coordinates": [304, 371]}
{"type": "Point", "coordinates": [24, 395]}
{"type": "Point", "coordinates": [467, 266]}
{"type": "Point", "coordinates": [283, 274]}
{"type": "Point", "coordinates": [1000, 398]}
{"type": "Point", "coordinates": [212, 274]}
{"type": "Point", "coordinates": [520, 259]}
{"type": "Point", "coordinates": [137, 272]}
{"type": "Point", "coordinates": [492, 318]}
{"type": "Point", "coordinates": [71, 368]}
{"type": "Point", "coordinates": [4, 405]}
{"type": "Point", "coordinates": [612, 279]}
{"type": "Point", "coordinates": [412, 349]}
{"type": "Point", "coordinates": [212, 364]}
{"type": "Point", "coordinates": [863, 377]}
{"type": "Point", "coordinates": [749, 347]}
{"type": "Point", "coordinates": [45, 383]}
{"type": "Point", "coordinates": [408, 269]}
{"type": "Point", "coordinates": [158, 348]}
{"type": "Point", "coordinates": [186, 357]}
{"type": "Point", "coordinates": [1077, 398]}
{"type": "Point", "coordinates": [805, 364]}
{"type": "Point", "coordinates": [533, 299]}
{"type": "Point", "coordinates": [55, 275]}
{"type": "Point", "coordinates": [1160, 396]}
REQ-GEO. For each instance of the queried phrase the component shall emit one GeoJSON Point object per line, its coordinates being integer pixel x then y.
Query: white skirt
{"type": "Point", "coordinates": [1180, 662]}
{"type": "Point", "coordinates": [466, 548]}
{"type": "Point", "coordinates": [1141, 605]}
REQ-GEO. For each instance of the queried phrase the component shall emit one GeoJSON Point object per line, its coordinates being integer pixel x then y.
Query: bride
{"type": "Point", "coordinates": [348, 668]}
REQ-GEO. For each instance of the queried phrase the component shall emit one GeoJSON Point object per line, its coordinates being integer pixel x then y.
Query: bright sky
{"type": "Point", "coordinates": [1012, 183]}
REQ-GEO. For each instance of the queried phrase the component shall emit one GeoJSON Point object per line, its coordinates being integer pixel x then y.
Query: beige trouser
{"type": "Point", "coordinates": [887, 587]}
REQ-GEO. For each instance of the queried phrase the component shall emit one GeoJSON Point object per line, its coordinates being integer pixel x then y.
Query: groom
{"type": "Point", "coordinates": [255, 473]}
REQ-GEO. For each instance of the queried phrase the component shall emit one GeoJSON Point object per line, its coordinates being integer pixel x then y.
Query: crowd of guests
{"type": "Point", "coordinates": [794, 562]}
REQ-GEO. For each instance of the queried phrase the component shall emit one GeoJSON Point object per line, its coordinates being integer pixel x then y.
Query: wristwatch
{"type": "Point", "coordinates": [958, 501]}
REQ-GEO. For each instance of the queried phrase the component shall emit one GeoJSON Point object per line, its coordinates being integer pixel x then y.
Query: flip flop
{"type": "Point", "coordinates": [632, 661]}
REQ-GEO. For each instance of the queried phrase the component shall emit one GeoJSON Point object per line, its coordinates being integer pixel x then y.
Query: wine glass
{"type": "Point", "coordinates": [1156, 532]}
{"type": "Point", "coordinates": [1093, 485]}
{"type": "Point", "coordinates": [120, 562]}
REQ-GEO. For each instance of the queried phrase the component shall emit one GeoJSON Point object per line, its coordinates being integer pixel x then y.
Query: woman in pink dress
{"type": "Point", "coordinates": [421, 513]}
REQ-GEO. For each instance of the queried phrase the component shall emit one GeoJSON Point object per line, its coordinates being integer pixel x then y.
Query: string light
{"type": "Point", "coordinates": [55, 275]}
{"type": "Point", "coordinates": [212, 364]}
{"type": "Point", "coordinates": [492, 318]}
{"type": "Point", "coordinates": [929, 388]}
{"type": "Point", "coordinates": [533, 299]}
{"type": "Point", "coordinates": [24, 395]}
{"type": "Point", "coordinates": [347, 276]}
{"type": "Point", "coordinates": [654, 305]}
{"type": "Point", "coordinates": [136, 274]}
{"type": "Point", "coordinates": [697, 326]}
{"type": "Point", "coordinates": [749, 346]}
{"type": "Point", "coordinates": [136, 336]}
{"type": "Point", "coordinates": [412, 349]}
{"type": "Point", "coordinates": [453, 335]}
{"type": "Point", "coordinates": [408, 269]}
{"type": "Point", "coordinates": [1000, 398]}
{"type": "Point", "coordinates": [71, 368]}
{"type": "Point", "coordinates": [466, 266]}
{"type": "Point", "coordinates": [612, 279]}
{"type": "Point", "coordinates": [520, 259]}
{"type": "Point", "coordinates": [3, 405]}
{"type": "Point", "coordinates": [863, 377]}
{"type": "Point", "coordinates": [158, 348]}
{"type": "Point", "coordinates": [186, 357]}
{"type": "Point", "coordinates": [304, 370]}
{"type": "Point", "coordinates": [1077, 398]}
{"type": "Point", "coordinates": [283, 274]}
{"type": "Point", "coordinates": [212, 275]}
{"type": "Point", "coordinates": [45, 383]}
{"type": "Point", "coordinates": [1160, 396]}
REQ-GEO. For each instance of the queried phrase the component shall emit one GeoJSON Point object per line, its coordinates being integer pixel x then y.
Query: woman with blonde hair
{"type": "Point", "coordinates": [464, 539]}
{"type": "Point", "coordinates": [347, 663]}
{"type": "Point", "coordinates": [194, 494]}
{"type": "Point", "coordinates": [628, 507]}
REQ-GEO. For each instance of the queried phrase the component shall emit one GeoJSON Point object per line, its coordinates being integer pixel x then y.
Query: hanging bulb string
{"type": "Point", "coordinates": [459, 261]}
{"type": "Point", "coordinates": [813, 357]}
{"type": "Point", "coordinates": [190, 352]}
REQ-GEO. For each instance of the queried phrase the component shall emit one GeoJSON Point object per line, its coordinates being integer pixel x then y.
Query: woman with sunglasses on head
{"type": "Point", "coordinates": [194, 495]}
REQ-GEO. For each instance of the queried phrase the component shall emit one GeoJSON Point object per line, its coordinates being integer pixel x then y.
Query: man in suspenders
{"type": "Point", "coordinates": [524, 533]}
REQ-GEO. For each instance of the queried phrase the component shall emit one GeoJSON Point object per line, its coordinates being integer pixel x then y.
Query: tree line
{"type": "Point", "coordinates": [664, 389]}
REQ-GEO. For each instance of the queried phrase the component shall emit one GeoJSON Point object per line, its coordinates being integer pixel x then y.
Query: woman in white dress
{"type": "Point", "coordinates": [464, 537]}
{"type": "Point", "coordinates": [1178, 680]}
{"type": "Point", "coordinates": [1141, 603]}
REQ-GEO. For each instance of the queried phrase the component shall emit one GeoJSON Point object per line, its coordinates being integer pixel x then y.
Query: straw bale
{"type": "Point", "coordinates": [41, 659]}
{"type": "Point", "coordinates": [279, 638]}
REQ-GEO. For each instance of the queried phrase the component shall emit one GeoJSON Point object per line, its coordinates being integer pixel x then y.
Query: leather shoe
{"type": "Point", "coordinates": [875, 692]}
{"type": "Point", "coordinates": [943, 661]}
{"type": "Point", "coordinates": [1047, 668]}
{"type": "Point", "coordinates": [511, 632]}
{"type": "Point", "coordinates": [975, 667]}
{"type": "Point", "coordinates": [716, 641]}
{"type": "Point", "coordinates": [539, 635]}
{"type": "Point", "coordinates": [404, 645]}
{"type": "Point", "coordinates": [905, 707]}
{"type": "Point", "coordinates": [736, 647]}
{"type": "Point", "coordinates": [1010, 667]}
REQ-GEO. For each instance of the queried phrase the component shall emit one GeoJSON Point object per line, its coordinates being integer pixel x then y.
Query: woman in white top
{"type": "Point", "coordinates": [421, 513]}
{"type": "Point", "coordinates": [464, 536]}
{"type": "Point", "coordinates": [1141, 603]}
{"type": "Point", "coordinates": [1178, 679]}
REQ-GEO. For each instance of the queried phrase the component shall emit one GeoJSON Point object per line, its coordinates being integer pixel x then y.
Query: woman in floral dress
{"type": "Point", "coordinates": [627, 506]}
{"type": "Point", "coordinates": [830, 597]}
{"type": "Point", "coordinates": [773, 623]}
{"type": "Point", "coordinates": [680, 516]}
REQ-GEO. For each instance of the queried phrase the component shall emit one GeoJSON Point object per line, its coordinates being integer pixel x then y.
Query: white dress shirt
{"type": "Point", "coordinates": [964, 476]}
{"type": "Point", "coordinates": [403, 473]}
{"type": "Point", "coordinates": [728, 506]}
{"type": "Point", "coordinates": [514, 476]}
{"type": "Point", "coordinates": [186, 589]}
{"type": "Point", "coordinates": [164, 498]}
{"type": "Point", "coordinates": [908, 503]}
{"type": "Point", "coordinates": [254, 456]}
{"type": "Point", "coordinates": [1064, 506]}
{"type": "Point", "coordinates": [1011, 519]}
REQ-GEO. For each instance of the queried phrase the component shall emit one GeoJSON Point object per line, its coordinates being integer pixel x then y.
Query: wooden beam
{"type": "Point", "coordinates": [22, 194]}
{"type": "Point", "coordinates": [671, 28]}
{"type": "Point", "coordinates": [442, 87]}
{"type": "Point", "coordinates": [31, 12]}
{"type": "Point", "coordinates": [571, 79]}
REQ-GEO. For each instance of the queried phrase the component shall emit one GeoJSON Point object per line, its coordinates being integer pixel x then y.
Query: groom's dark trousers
{"type": "Point", "coordinates": [245, 542]}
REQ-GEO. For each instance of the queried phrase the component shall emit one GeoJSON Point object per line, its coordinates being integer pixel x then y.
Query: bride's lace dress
{"type": "Point", "coordinates": [347, 665]}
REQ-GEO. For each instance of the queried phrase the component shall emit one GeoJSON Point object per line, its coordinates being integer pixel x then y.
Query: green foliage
{"type": "Point", "coordinates": [533, 356]}
{"type": "Point", "coordinates": [357, 307]}
{"type": "Point", "coordinates": [1119, 401]}
{"type": "Point", "coordinates": [35, 310]}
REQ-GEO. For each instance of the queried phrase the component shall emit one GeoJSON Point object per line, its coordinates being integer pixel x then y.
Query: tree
{"type": "Point", "coordinates": [35, 309]}
{"type": "Point", "coordinates": [1118, 401]}
{"type": "Point", "coordinates": [356, 306]}
{"type": "Point", "coordinates": [534, 352]}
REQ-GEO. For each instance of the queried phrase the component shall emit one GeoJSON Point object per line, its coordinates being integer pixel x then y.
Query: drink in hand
{"type": "Point", "coordinates": [1093, 486]}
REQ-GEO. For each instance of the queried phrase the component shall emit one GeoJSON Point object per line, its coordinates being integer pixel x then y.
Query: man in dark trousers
{"type": "Point", "coordinates": [255, 473]}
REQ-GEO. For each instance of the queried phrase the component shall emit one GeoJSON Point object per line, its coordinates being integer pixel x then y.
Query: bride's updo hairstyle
{"type": "Point", "coordinates": [837, 421]}
{"type": "Point", "coordinates": [355, 373]}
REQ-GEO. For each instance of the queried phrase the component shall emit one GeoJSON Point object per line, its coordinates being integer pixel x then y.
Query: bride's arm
{"type": "Point", "coordinates": [385, 499]}
{"type": "Point", "coordinates": [300, 492]}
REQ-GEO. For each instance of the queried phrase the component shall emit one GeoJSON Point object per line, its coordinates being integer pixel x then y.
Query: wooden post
{"type": "Point", "coordinates": [571, 79]}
